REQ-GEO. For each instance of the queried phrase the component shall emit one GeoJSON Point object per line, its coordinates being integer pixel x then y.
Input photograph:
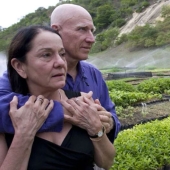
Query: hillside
{"type": "Point", "coordinates": [143, 59]}
{"type": "Point", "coordinates": [150, 15]}
{"type": "Point", "coordinates": [122, 56]}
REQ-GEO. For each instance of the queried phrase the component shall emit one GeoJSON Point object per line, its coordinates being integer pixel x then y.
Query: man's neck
{"type": "Point", "coordinates": [72, 69]}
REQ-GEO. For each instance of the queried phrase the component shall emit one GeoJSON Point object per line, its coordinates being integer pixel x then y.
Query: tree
{"type": "Point", "coordinates": [104, 16]}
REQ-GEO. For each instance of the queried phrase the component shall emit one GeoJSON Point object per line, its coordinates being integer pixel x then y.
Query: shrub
{"type": "Point", "coordinates": [120, 85]}
{"type": "Point", "coordinates": [154, 85]}
{"type": "Point", "coordinates": [145, 147]}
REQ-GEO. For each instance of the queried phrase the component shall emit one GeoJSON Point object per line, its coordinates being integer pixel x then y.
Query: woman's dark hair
{"type": "Point", "coordinates": [20, 45]}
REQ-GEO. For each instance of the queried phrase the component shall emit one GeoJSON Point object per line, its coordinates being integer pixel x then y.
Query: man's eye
{"type": "Point", "coordinates": [82, 28]}
{"type": "Point", "coordinates": [62, 54]}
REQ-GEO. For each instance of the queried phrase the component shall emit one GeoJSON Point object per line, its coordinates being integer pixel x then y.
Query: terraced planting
{"type": "Point", "coordinates": [142, 105]}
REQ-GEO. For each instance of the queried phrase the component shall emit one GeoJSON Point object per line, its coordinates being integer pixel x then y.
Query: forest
{"type": "Point", "coordinates": [109, 16]}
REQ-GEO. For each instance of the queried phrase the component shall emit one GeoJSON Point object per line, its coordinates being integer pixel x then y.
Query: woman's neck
{"type": "Point", "coordinates": [54, 95]}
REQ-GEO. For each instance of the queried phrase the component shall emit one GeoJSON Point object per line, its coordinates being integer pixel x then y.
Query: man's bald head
{"type": "Point", "coordinates": [75, 26]}
{"type": "Point", "coordinates": [64, 12]}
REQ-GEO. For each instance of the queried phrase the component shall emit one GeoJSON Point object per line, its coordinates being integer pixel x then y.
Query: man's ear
{"type": "Point", "coordinates": [55, 27]}
{"type": "Point", "coordinates": [19, 67]}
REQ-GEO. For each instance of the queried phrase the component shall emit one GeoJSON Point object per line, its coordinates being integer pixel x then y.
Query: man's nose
{"type": "Point", "coordinates": [90, 37]}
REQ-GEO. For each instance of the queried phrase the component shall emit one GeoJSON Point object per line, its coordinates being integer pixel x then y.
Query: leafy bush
{"type": "Point", "coordinates": [154, 85]}
{"type": "Point", "coordinates": [120, 85]}
{"type": "Point", "coordinates": [125, 99]}
{"type": "Point", "coordinates": [121, 39]}
{"type": "Point", "coordinates": [145, 147]}
{"type": "Point", "coordinates": [124, 94]}
{"type": "Point", "coordinates": [104, 40]}
{"type": "Point", "coordinates": [165, 11]}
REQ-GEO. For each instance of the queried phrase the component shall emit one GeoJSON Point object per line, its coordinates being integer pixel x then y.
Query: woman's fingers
{"type": "Point", "coordinates": [13, 105]}
{"type": "Point", "coordinates": [49, 107]}
{"type": "Point", "coordinates": [30, 117]}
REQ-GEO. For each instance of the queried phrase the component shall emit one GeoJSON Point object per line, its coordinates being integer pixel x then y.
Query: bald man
{"type": "Point", "coordinates": [75, 25]}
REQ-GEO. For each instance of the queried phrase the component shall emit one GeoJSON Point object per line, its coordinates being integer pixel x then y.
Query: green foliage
{"type": "Point", "coordinates": [124, 94]}
{"type": "Point", "coordinates": [121, 39]}
{"type": "Point", "coordinates": [165, 11]}
{"type": "Point", "coordinates": [145, 4]}
{"type": "Point", "coordinates": [143, 36]}
{"type": "Point", "coordinates": [151, 36]}
{"type": "Point", "coordinates": [109, 14]}
{"type": "Point", "coordinates": [118, 22]}
{"type": "Point", "coordinates": [167, 92]}
{"type": "Point", "coordinates": [120, 85]}
{"type": "Point", "coordinates": [124, 112]}
{"type": "Point", "coordinates": [154, 85]}
{"type": "Point", "coordinates": [145, 147]}
{"type": "Point", "coordinates": [104, 16]}
{"type": "Point", "coordinates": [125, 98]}
{"type": "Point", "coordinates": [142, 6]}
{"type": "Point", "coordinates": [129, 2]}
{"type": "Point", "coordinates": [104, 40]}
{"type": "Point", "coordinates": [41, 17]}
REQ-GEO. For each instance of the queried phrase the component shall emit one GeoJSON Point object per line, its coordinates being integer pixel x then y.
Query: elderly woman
{"type": "Point", "coordinates": [37, 66]}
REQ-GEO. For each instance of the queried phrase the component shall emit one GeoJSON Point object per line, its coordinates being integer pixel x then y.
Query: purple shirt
{"type": "Point", "coordinates": [53, 123]}
{"type": "Point", "coordinates": [88, 79]}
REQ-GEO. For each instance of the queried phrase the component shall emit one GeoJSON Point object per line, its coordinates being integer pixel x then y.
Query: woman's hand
{"type": "Point", "coordinates": [30, 117]}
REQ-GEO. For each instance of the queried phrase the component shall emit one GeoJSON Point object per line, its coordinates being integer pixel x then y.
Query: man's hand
{"type": "Point", "coordinates": [83, 114]}
{"type": "Point", "coordinates": [105, 117]}
{"type": "Point", "coordinates": [69, 109]}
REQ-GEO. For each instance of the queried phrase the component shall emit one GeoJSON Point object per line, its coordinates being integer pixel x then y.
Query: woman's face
{"type": "Point", "coordinates": [45, 67]}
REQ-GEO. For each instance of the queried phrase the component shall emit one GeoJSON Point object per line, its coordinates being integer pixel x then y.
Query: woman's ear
{"type": "Point", "coordinates": [19, 67]}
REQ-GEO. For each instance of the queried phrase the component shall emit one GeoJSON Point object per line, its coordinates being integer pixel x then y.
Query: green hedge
{"type": "Point", "coordinates": [144, 147]}
{"type": "Point", "coordinates": [154, 85]}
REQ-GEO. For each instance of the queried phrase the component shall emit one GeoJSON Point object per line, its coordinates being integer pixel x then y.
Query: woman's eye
{"type": "Point", "coordinates": [46, 55]}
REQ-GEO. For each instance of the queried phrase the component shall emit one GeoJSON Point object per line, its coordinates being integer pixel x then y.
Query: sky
{"type": "Point", "coordinates": [11, 11]}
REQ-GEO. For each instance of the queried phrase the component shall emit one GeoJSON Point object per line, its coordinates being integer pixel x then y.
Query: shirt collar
{"type": "Point", "coordinates": [81, 70]}
{"type": "Point", "coordinates": [82, 73]}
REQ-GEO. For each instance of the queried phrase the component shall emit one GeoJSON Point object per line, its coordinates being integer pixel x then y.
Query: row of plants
{"type": "Point", "coordinates": [144, 147]}
{"type": "Point", "coordinates": [126, 96]}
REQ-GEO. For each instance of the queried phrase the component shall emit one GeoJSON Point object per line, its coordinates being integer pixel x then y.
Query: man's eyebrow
{"type": "Point", "coordinates": [62, 50]}
{"type": "Point", "coordinates": [86, 26]}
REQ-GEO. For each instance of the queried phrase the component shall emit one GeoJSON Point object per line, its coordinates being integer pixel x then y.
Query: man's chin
{"type": "Point", "coordinates": [83, 57]}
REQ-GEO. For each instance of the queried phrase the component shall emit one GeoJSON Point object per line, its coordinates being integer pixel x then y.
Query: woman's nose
{"type": "Point", "coordinates": [59, 61]}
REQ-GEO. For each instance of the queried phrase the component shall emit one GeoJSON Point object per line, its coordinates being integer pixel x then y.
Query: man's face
{"type": "Point", "coordinates": [77, 36]}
